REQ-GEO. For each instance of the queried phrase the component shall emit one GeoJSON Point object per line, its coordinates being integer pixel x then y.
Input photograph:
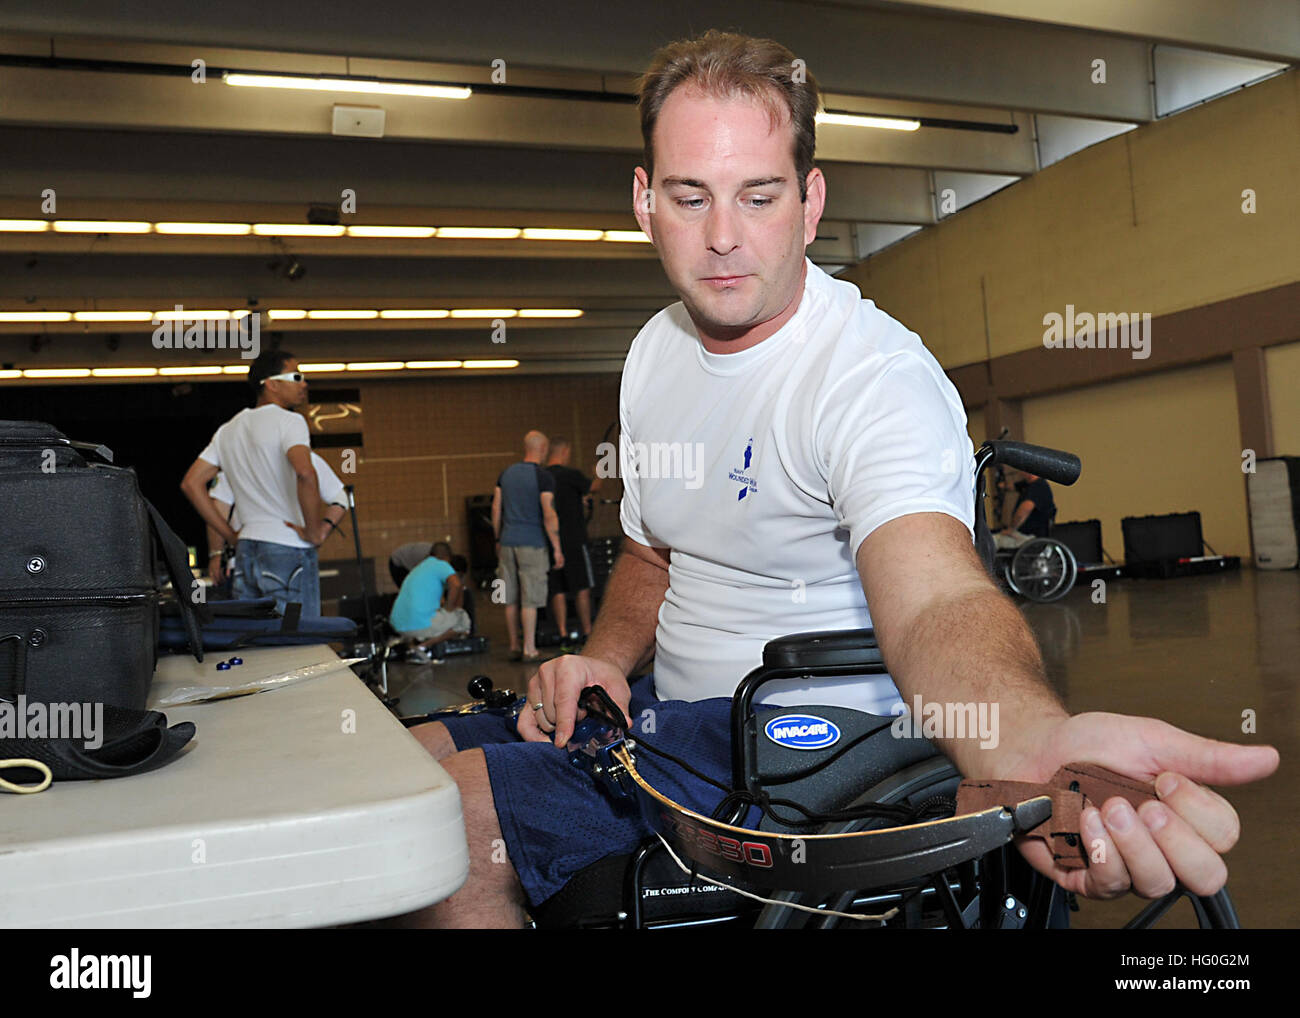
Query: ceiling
{"type": "Point", "coordinates": [100, 106]}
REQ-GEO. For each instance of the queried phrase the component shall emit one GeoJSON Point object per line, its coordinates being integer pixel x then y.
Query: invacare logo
{"type": "Point", "coordinates": [75, 971]}
{"type": "Point", "coordinates": [802, 731]}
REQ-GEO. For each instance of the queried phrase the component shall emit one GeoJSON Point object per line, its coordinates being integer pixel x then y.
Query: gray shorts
{"type": "Point", "coordinates": [524, 566]}
{"type": "Point", "coordinates": [443, 620]}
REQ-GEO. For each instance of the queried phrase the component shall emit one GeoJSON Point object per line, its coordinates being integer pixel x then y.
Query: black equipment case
{"type": "Point", "coordinates": [79, 573]}
{"type": "Point", "coordinates": [1162, 547]}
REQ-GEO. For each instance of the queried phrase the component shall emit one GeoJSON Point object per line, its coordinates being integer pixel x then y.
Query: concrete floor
{"type": "Point", "coordinates": [1195, 651]}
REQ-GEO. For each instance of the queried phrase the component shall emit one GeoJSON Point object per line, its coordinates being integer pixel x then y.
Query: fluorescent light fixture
{"type": "Point", "coordinates": [195, 316]}
{"type": "Point", "coordinates": [338, 315]}
{"type": "Point", "coordinates": [297, 230]}
{"type": "Point", "coordinates": [550, 312]}
{"type": "Point", "coordinates": [491, 364]}
{"type": "Point", "coordinates": [10, 373]}
{"type": "Point", "coordinates": [24, 225]}
{"type": "Point", "coordinates": [861, 120]}
{"type": "Point", "coordinates": [205, 369]}
{"type": "Point", "coordinates": [205, 229]}
{"type": "Point", "coordinates": [346, 85]}
{"type": "Point", "coordinates": [415, 313]}
{"type": "Point", "coordinates": [124, 372]}
{"type": "Point", "coordinates": [422, 365]}
{"type": "Point", "coordinates": [483, 313]}
{"type": "Point", "coordinates": [56, 373]}
{"type": "Point", "coordinates": [534, 233]}
{"type": "Point", "coordinates": [392, 231]}
{"type": "Point", "coordinates": [287, 314]}
{"type": "Point", "coordinates": [35, 316]}
{"type": "Point", "coordinates": [112, 316]}
{"type": "Point", "coordinates": [627, 236]}
{"type": "Point", "coordinates": [99, 226]}
{"type": "Point", "coordinates": [312, 369]}
{"type": "Point", "coordinates": [478, 232]}
{"type": "Point", "coordinates": [376, 366]}
{"type": "Point", "coordinates": [234, 369]}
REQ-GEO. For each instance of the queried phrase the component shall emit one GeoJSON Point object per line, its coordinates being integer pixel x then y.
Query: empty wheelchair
{"type": "Point", "coordinates": [861, 830]}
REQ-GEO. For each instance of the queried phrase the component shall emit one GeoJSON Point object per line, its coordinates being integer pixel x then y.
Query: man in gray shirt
{"type": "Point", "coordinates": [524, 519]}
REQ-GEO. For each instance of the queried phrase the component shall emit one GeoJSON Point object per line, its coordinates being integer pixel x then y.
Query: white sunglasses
{"type": "Point", "coordinates": [288, 376]}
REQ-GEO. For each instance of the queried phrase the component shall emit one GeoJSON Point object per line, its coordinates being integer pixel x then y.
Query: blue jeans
{"type": "Point", "coordinates": [264, 569]}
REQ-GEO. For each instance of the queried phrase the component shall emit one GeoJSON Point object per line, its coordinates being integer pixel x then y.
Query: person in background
{"type": "Point", "coordinates": [221, 556]}
{"type": "Point", "coordinates": [407, 556]}
{"type": "Point", "coordinates": [1032, 516]}
{"type": "Point", "coordinates": [572, 487]}
{"type": "Point", "coordinates": [461, 564]}
{"type": "Point", "coordinates": [265, 452]}
{"type": "Point", "coordinates": [429, 607]}
{"type": "Point", "coordinates": [523, 519]}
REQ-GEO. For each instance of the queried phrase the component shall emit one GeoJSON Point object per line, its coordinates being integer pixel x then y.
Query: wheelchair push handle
{"type": "Point", "coordinates": [1052, 464]}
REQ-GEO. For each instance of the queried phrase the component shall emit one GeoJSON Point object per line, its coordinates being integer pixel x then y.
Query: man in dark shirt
{"type": "Point", "coordinates": [1032, 516]}
{"type": "Point", "coordinates": [572, 489]}
{"type": "Point", "coordinates": [523, 517]}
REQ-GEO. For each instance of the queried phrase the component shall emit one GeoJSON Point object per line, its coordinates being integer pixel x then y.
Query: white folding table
{"type": "Point", "coordinates": [306, 805]}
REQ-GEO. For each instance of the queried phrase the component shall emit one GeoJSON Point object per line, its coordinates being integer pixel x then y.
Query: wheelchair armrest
{"type": "Point", "coordinates": [830, 648]}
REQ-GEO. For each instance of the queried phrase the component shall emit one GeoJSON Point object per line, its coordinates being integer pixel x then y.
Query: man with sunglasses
{"type": "Point", "coordinates": [265, 452]}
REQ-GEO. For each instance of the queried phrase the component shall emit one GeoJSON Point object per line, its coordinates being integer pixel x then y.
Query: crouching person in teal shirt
{"type": "Point", "coordinates": [429, 607]}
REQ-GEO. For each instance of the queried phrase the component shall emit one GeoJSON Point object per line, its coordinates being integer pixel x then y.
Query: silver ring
{"type": "Point", "coordinates": [539, 706]}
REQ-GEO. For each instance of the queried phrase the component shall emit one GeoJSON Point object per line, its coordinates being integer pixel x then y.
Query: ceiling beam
{"type": "Point", "coordinates": [864, 51]}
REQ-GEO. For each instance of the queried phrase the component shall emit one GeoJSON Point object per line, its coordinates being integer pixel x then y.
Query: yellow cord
{"type": "Point", "coordinates": [9, 786]}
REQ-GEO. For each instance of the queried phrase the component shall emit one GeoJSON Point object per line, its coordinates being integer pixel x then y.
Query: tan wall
{"type": "Point", "coordinates": [1283, 364]}
{"type": "Point", "coordinates": [430, 443]}
{"type": "Point", "coordinates": [1149, 221]}
{"type": "Point", "coordinates": [1162, 443]}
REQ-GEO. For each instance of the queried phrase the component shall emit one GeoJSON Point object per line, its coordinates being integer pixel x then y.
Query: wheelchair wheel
{"type": "Point", "coordinates": [956, 892]}
{"type": "Point", "coordinates": [1042, 570]}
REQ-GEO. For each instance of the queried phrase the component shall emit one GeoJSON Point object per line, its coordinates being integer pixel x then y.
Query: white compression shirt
{"type": "Point", "coordinates": [764, 471]}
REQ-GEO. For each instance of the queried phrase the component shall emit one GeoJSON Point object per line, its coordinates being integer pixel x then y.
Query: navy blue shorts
{"type": "Point", "coordinates": [557, 821]}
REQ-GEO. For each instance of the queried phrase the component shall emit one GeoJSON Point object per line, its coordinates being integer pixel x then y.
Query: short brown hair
{"type": "Point", "coordinates": [725, 65]}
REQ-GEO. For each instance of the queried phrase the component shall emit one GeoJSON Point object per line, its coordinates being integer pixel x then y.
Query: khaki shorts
{"type": "Point", "coordinates": [526, 567]}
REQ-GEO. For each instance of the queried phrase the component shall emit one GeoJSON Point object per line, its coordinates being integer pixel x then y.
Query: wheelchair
{"type": "Point", "coordinates": [1042, 570]}
{"type": "Point", "coordinates": [880, 809]}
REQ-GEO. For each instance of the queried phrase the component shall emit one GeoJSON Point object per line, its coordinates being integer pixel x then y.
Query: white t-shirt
{"type": "Point", "coordinates": [252, 451]}
{"type": "Point", "coordinates": [331, 489]}
{"type": "Point", "coordinates": [764, 470]}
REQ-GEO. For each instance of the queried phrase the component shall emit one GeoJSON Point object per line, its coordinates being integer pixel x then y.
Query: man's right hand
{"type": "Point", "coordinates": [556, 686]}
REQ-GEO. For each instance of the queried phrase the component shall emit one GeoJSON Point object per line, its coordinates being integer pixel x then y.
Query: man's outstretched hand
{"type": "Point", "coordinates": [1179, 838]}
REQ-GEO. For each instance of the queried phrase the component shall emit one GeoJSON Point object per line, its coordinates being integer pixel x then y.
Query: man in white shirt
{"type": "Point", "coordinates": [795, 455]}
{"type": "Point", "coordinates": [331, 497]}
{"type": "Point", "coordinates": [265, 453]}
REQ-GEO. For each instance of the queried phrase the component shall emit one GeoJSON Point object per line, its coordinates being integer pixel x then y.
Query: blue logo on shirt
{"type": "Point", "coordinates": [742, 475]}
{"type": "Point", "coordinates": [802, 731]}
